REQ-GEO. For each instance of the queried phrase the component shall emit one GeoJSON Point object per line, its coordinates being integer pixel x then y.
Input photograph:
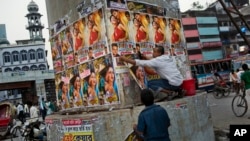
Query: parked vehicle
{"type": "Point", "coordinates": [203, 72]}
{"type": "Point", "coordinates": [7, 114]}
{"type": "Point", "coordinates": [31, 130]}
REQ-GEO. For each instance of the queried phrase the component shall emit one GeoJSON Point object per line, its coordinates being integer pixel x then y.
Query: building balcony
{"type": "Point", "coordinates": [195, 45]}
{"type": "Point", "coordinates": [208, 31]}
{"type": "Point", "coordinates": [195, 57]}
{"type": "Point", "coordinates": [7, 77]}
{"type": "Point", "coordinates": [188, 21]}
{"type": "Point", "coordinates": [206, 20]}
{"type": "Point", "coordinates": [203, 40]}
{"type": "Point", "coordinates": [211, 44]}
{"type": "Point", "coordinates": [191, 33]}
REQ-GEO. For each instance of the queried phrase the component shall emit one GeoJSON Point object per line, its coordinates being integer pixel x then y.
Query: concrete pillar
{"type": "Point", "coordinates": [190, 121]}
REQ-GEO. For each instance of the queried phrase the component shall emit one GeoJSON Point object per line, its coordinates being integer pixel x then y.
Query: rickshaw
{"type": "Point", "coordinates": [7, 114]}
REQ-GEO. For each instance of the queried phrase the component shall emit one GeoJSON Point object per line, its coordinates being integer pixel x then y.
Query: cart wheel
{"type": "Point", "coordinates": [16, 132]}
{"type": "Point", "coordinates": [217, 94]}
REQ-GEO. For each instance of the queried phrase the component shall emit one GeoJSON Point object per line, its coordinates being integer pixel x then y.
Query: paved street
{"type": "Point", "coordinates": [21, 138]}
{"type": "Point", "coordinates": [222, 113]}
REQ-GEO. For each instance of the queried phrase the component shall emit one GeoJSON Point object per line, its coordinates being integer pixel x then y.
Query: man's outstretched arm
{"type": "Point", "coordinates": [125, 59]}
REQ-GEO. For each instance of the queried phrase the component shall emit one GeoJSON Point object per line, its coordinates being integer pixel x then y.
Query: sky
{"type": "Point", "coordinates": [13, 12]}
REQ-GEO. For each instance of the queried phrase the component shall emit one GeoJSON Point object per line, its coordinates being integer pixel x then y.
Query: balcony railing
{"type": "Point", "coordinates": [6, 77]}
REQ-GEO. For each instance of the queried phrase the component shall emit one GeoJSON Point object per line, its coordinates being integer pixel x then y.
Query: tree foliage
{"type": "Point", "coordinates": [197, 6]}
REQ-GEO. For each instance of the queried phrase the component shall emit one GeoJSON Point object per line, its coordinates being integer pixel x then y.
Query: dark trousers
{"type": "Point", "coordinates": [21, 116]}
{"type": "Point", "coordinates": [44, 113]}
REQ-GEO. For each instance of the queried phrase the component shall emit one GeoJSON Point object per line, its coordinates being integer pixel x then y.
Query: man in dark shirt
{"type": "Point", "coordinates": [153, 121]}
{"type": "Point", "coordinates": [245, 79]}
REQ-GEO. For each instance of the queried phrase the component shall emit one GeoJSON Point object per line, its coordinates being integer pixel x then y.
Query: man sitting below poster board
{"type": "Point", "coordinates": [171, 78]}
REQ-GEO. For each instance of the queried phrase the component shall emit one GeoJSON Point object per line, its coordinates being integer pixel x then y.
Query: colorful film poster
{"type": "Point", "coordinates": [85, 75]}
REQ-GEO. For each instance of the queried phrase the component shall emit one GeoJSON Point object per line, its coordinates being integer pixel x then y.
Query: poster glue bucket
{"type": "Point", "coordinates": [189, 87]}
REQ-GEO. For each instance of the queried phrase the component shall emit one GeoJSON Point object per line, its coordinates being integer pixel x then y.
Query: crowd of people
{"type": "Point", "coordinates": [30, 110]}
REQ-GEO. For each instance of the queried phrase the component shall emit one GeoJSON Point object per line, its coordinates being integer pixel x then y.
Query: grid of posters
{"type": "Point", "coordinates": [134, 26]}
{"type": "Point", "coordinates": [83, 64]}
{"type": "Point", "coordinates": [86, 52]}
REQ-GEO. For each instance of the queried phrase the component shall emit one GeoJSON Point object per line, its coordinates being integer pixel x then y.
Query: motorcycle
{"type": "Point", "coordinates": [30, 130]}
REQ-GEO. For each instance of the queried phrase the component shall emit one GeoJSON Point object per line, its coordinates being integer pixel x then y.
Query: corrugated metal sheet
{"type": "Point", "coordinates": [212, 55]}
{"type": "Point", "coordinates": [188, 21]}
{"type": "Point", "coordinates": [206, 20]}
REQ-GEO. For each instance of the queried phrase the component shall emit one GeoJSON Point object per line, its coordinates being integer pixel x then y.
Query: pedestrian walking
{"type": "Point", "coordinates": [20, 113]}
{"type": "Point", "coordinates": [33, 112]}
{"type": "Point", "coordinates": [153, 121]}
{"type": "Point", "coordinates": [233, 78]}
{"type": "Point", "coordinates": [43, 108]}
{"type": "Point", "coordinates": [26, 110]}
{"type": "Point", "coordinates": [239, 84]}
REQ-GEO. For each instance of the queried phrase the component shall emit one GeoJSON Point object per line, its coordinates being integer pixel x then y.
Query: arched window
{"type": "Point", "coordinates": [17, 69]}
{"type": "Point", "coordinates": [24, 55]}
{"type": "Point", "coordinates": [8, 70]}
{"type": "Point", "coordinates": [25, 68]}
{"type": "Point", "coordinates": [33, 67]}
{"type": "Point", "coordinates": [32, 54]}
{"type": "Point", "coordinates": [40, 54]}
{"type": "Point", "coordinates": [42, 67]}
{"type": "Point", "coordinates": [6, 57]}
{"type": "Point", "coordinates": [15, 56]}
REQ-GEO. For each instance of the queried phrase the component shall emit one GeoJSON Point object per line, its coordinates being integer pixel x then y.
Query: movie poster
{"type": "Point", "coordinates": [83, 63]}
{"type": "Point", "coordinates": [86, 52]}
{"type": "Point", "coordinates": [176, 34]}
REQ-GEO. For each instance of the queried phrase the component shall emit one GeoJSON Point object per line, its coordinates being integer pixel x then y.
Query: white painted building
{"type": "Point", "coordinates": [24, 71]}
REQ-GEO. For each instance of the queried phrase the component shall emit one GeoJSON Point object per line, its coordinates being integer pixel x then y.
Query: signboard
{"type": "Point", "coordinates": [70, 129]}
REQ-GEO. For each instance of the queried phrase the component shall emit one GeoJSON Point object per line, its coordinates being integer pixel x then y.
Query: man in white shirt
{"type": "Point", "coordinates": [164, 65]}
{"type": "Point", "coordinates": [33, 112]}
{"type": "Point", "coordinates": [20, 112]}
{"type": "Point", "coordinates": [26, 110]}
{"type": "Point", "coordinates": [239, 72]}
